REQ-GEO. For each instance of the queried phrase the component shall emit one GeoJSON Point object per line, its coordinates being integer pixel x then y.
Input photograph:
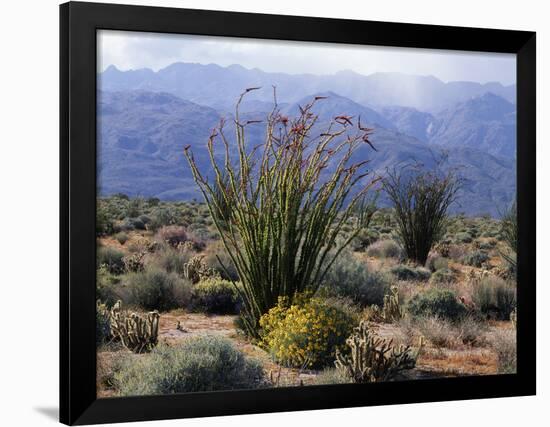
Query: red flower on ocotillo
{"type": "Point", "coordinates": [343, 120]}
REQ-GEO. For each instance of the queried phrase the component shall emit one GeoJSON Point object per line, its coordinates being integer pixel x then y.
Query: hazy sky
{"type": "Point", "coordinates": [132, 50]}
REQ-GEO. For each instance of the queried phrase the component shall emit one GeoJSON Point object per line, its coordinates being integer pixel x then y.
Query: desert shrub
{"type": "Point", "coordinates": [436, 262]}
{"type": "Point", "coordinates": [486, 245]}
{"type": "Point", "coordinates": [155, 289]}
{"type": "Point", "coordinates": [405, 272]}
{"type": "Point", "coordinates": [172, 235]}
{"type": "Point", "coordinates": [436, 302]}
{"type": "Point", "coordinates": [385, 249]}
{"type": "Point", "coordinates": [281, 211]}
{"type": "Point", "coordinates": [205, 363]}
{"type": "Point", "coordinates": [475, 258]}
{"type": "Point", "coordinates": [137, 223]}
{"type": "Point", "coordinates": [215, 295]}
{"type": "Point", "coordinates": [494, 297]}
{"type": "Point", "coordinates": [102, 324]}
{"type": "Point", "coordinates": [457, 252]}
{"type": "Point", "coordinates": [123, 226]}
{"type": "Point", "coordinates": [503, 342]}
{"type": "Point", "coordinates": [104, 221]}
{"type": "Point", "coordinates": [331, 376]}
{"type": "Point", "coordinates": [162, 216]}
{"type": "Point", "coordinates": [463, 237]}
{"type": "Point", "coordinates": [420, 199]}
{"type": "Point", "coordinates": [111, 258]}
{"type": "Point", "coordinates": [145, 219]}
{"type": "Point", "coordinates": [170, 259]}
{"type": "Point", "coordinates": [472, 331]}
{"type": "Point", "coordinates": [217, 258]}
{"type": "Point", "coordinates": [443, 276]}
{"type": "Point", "coordinates": [440, 332]}
{"type": "Point", "coordinates": [107, 286]}
{"type": "Point", "coordinates": [349, 277]}
{"type": "Point", "coordinates": [451, 334]}
{"type": "Point", "coordinates": [121, 237]}
{"type": "Point", "coordinates": [153, 201]}
{"type": "Point", "coordinates": [364, 238]}
{"type": "Point", "coordinates": [307, 332]}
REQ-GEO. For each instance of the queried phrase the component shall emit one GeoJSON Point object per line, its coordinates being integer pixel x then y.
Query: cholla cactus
{"type": "Point", "coordinates": [137, 333]}
{"type": "Point", "coordinates": [390, 311]}
{"type": "Point", "coordinates": [134, 262]}
{"type": "Point", "coordinates": [374, 359]}
{"type": "Point", "coordinates": [280, 206]}
{"type": "Point", "coordinates": [196, 269]}
{"type": "Point", "coordinates": [443, 249]}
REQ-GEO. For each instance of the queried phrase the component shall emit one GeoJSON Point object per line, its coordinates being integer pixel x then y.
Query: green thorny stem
{"type": "Point", "coordinates": [278, 217]}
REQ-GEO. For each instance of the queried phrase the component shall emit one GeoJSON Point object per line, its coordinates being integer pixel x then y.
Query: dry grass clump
{"type": "Point", "coordinates": [443, 333]}
{"type": "Point", "coordinates": [503, 342]}
{"type": "Point", "coordinates": [385, 249]}
{"type": "Point", "coordinates": [494, 297]}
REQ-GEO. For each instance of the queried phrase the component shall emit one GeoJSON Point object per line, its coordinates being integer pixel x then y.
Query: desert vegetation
{"type": "Point", "coordinates": [287, 273]}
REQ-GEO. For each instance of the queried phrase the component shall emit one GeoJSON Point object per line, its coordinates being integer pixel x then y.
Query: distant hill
{"type": "Point", "coordinates": [208, 84]}
{"type": "Point", "coordinates": [409, 121]}
{"type": "Point", "coordinates": [487, 123]}
{"type": "Point", "coordinates": [142, 135]}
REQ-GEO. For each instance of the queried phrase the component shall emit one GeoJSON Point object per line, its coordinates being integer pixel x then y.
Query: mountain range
{"type": "Point", "coordinates": [218, 87]}
{"type": "Point", "coordinates": [143, 127]}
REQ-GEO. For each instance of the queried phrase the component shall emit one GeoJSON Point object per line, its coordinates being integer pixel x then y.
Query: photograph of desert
{"type": "Point", "coordinates": [289, 214]}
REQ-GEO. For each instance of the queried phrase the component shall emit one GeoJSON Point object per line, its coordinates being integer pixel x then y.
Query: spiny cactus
{"type": "Point", "coordinates": [196, 269]}
{"type": "Point", "coordinates": [134, 262]}
{"type": "Point", "coordinates": [374, 359]}
{"type": "Point", "coordinates": [443, 249]}
{"type": "Point", "coordinates": [137, 333]}
{"type": "Point", "coordinates": [390, 311]}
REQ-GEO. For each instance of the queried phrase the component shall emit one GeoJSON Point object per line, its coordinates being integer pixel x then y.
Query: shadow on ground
{"type": "Point", "coordinates": [49, 412]}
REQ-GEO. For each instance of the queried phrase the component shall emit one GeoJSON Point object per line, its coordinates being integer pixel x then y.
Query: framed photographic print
{"type": "Point", "coordinates": [274, 213]}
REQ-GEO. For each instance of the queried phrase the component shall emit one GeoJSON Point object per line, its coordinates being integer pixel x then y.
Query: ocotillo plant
{"type": "Point", "coordinates": [509, 230]}
{"type": "Point", "coordinates": [420, 199]}
{"type": "Point", "coordinates": [280, 207]}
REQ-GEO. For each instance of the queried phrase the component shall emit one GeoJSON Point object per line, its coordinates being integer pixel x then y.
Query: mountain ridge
{"type": "Point", "coordinates": [213, 82]}
{"type": "Point", "coordinates": [142, 134]}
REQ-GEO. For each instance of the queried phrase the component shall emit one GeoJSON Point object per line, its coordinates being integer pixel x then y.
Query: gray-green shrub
{"type": "Point", "coordinates": [216, 295]}
{"type": "Point", "coordinates": [405, 272]}
{"type": "Point", "coordinates": [170, 259]}
{"type": "Point", "coordinates": [437, 302]}
{"type": "Point", "coordinates": [111, 258]}
{"type": "Point", "coordinates": [475, 258]}
{"type": "Point", "coordinates": [121, 237]}
{"type": "Point", "coordinates": [385, 249]}
{"type": "Point", "coordinates": [494, 297]}
{"type": "Point", "coordinates": [204, 363]}
{"type": "Point", "coordinates": [155, 289]}
{"type": "Point", "coordinates": [349, 277]}
{"type": "Point", "coordinates": [443, 276]}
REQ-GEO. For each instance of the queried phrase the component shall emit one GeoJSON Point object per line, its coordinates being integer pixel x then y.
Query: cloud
{"type": "Point", "coordinates": [132, 50]}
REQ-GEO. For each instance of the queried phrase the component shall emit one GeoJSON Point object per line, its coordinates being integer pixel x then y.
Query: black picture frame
{"type": "Point", "coordinates": [78, 25]}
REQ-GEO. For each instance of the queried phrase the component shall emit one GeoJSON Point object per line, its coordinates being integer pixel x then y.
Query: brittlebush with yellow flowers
{"type": "Point", "coordinates": [306, 333]}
